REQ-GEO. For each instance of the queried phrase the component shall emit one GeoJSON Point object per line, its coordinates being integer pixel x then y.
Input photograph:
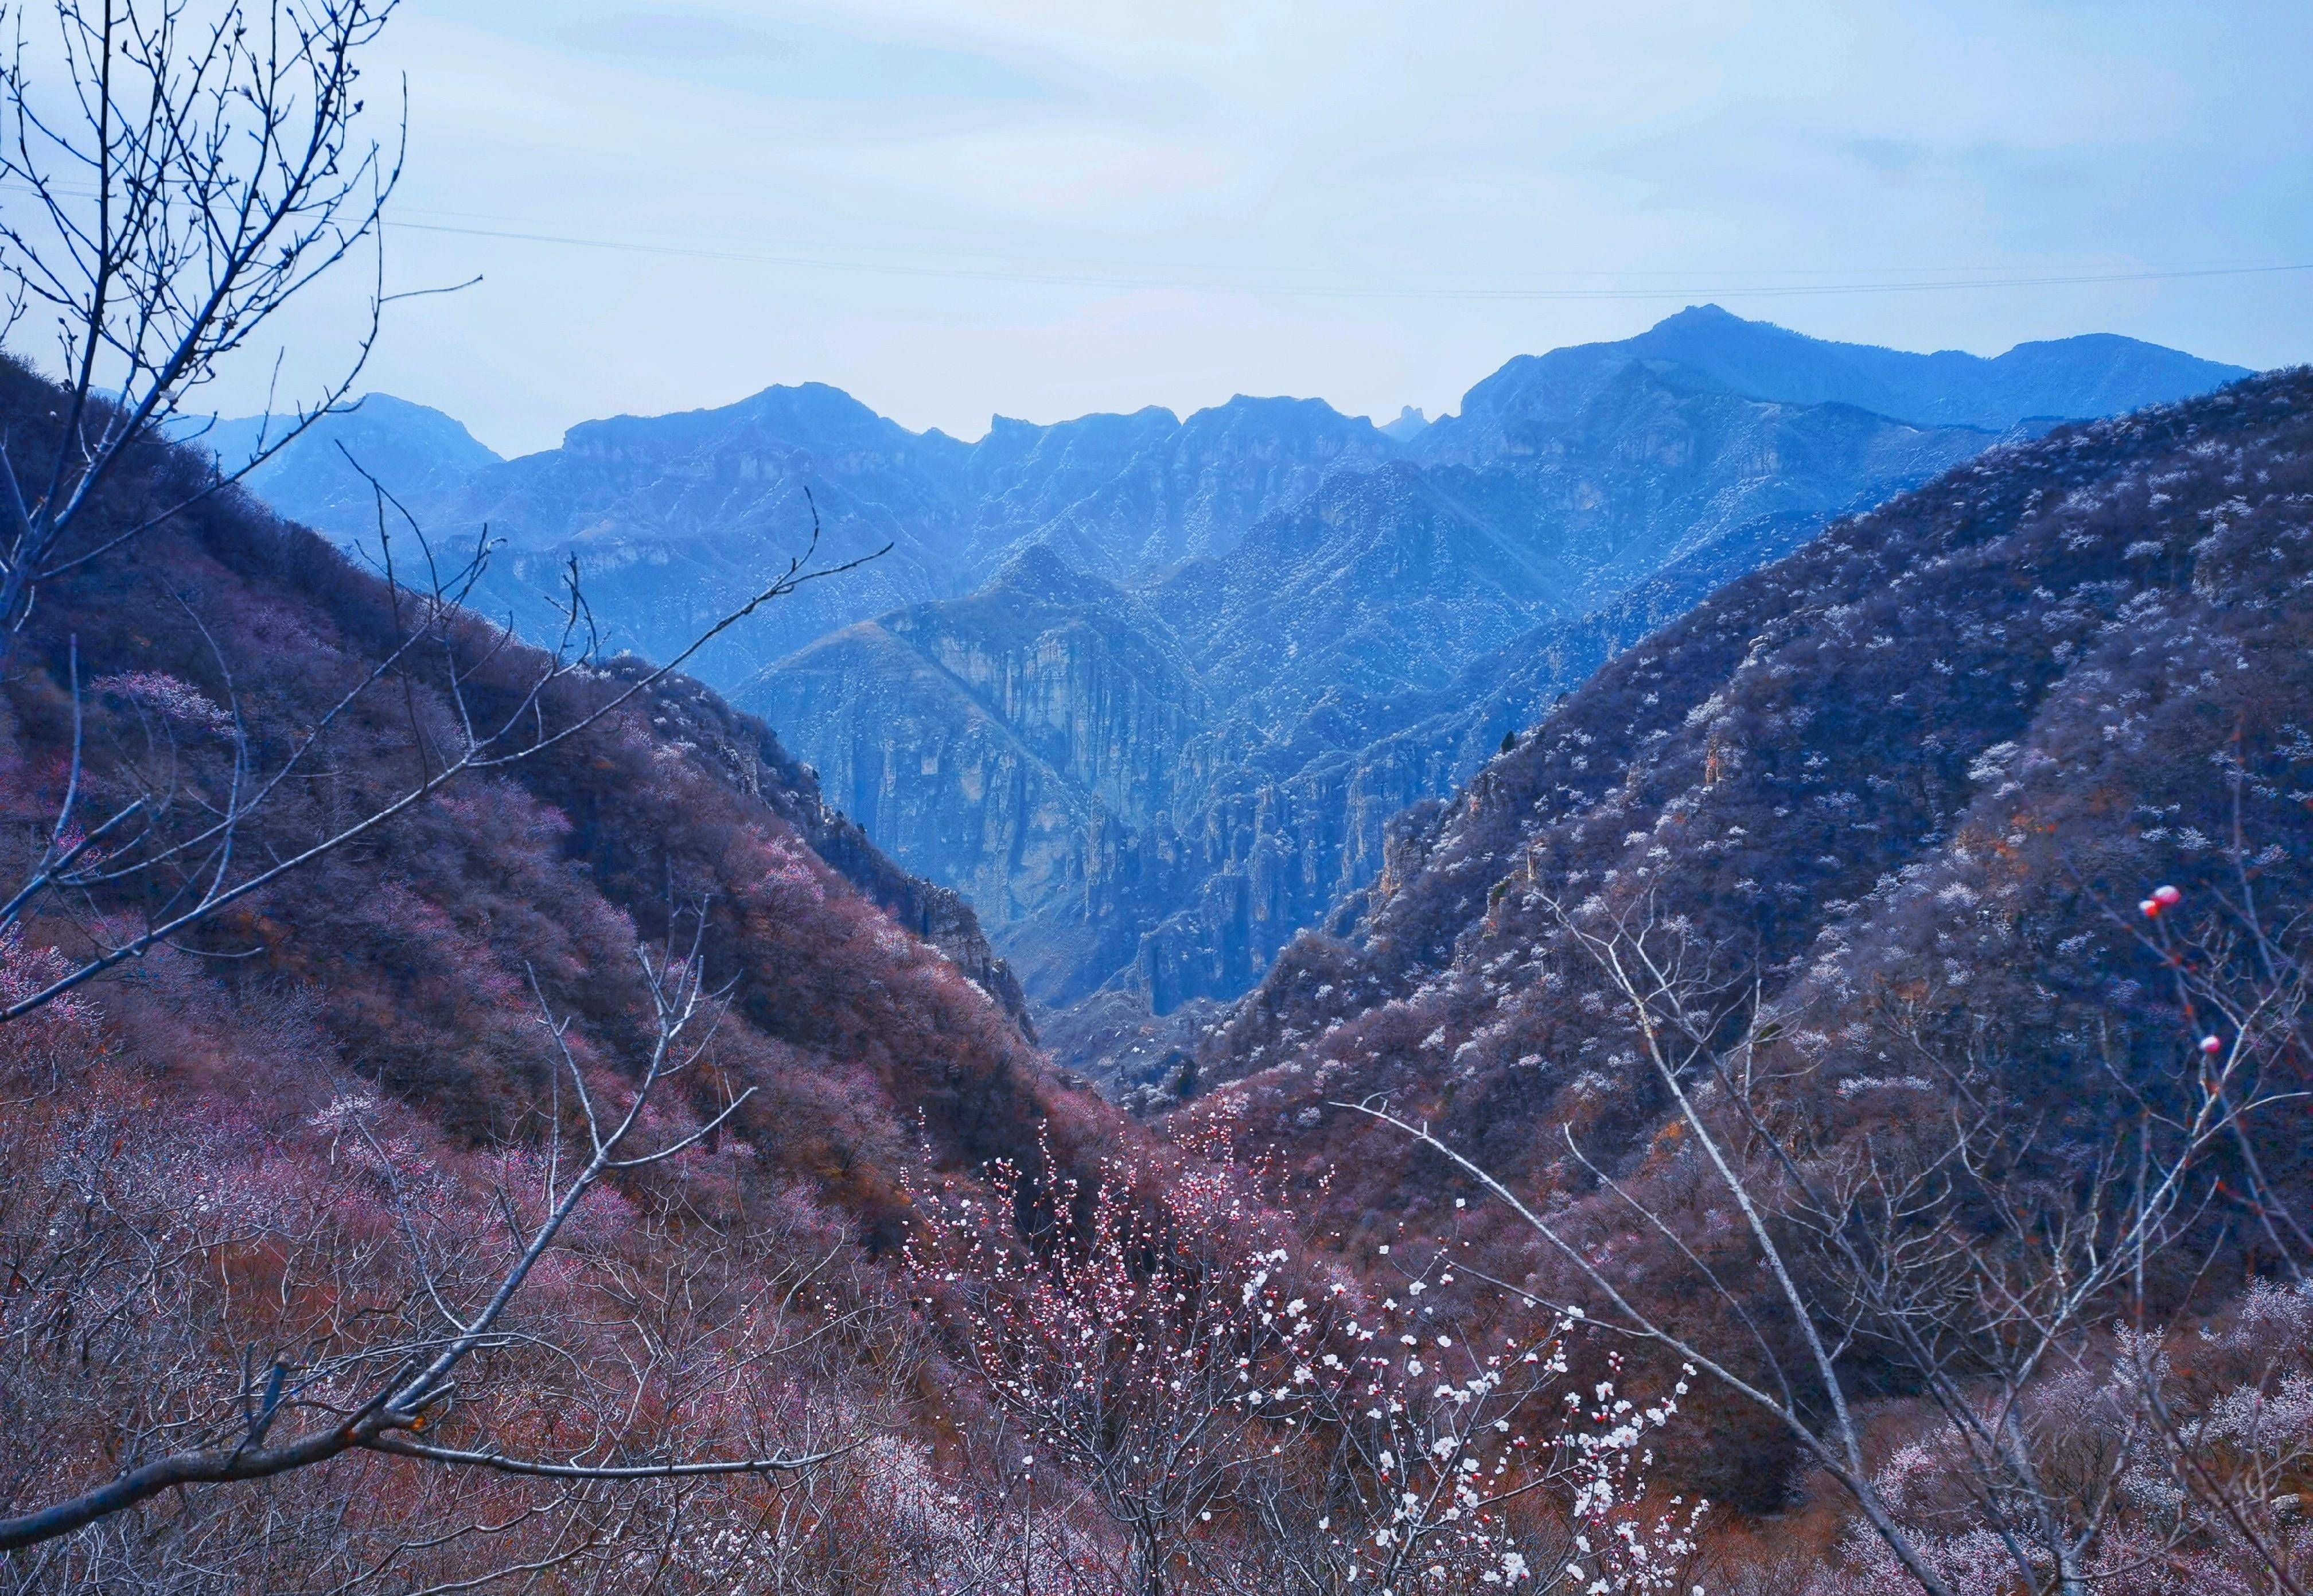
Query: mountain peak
{"type": "Point", "coordinates": [1039, 570]}
{"type": "Point", "coordinates": [819, 402]}
{"type": "Point", "coordinates": [2094, 374]}
{"type": "Point", "coordinates": [1278, 409]}
{"type": "Point", "coordinates": [1411, 424]}
{"type": "Point", "coordinates": [1707, 315]}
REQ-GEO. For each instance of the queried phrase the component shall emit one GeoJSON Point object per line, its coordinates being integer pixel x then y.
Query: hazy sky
{"type": "Point", "coordinates": [1041, 207]}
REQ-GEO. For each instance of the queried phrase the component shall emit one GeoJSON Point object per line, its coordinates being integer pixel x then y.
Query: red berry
{"type": "Point", "coordinates": [2168, 897]}
{"type": "Point", "coordinates": [2152, 907]}
{"type": "Point", "coordinates": [2213, 1044]}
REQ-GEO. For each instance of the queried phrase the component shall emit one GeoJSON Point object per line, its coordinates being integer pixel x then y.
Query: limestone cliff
{"type": "Point", "coordinates": [1155, 790]}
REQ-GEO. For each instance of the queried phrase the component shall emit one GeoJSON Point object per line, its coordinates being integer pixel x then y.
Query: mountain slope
{"type": "Point", "coordinates": [675, 519]}
{"type": "Point", "coordinates": [405, 956]}
{"type": "Point", "coordinates": [1896, 795]}
{"type": "Point", "coordinates": [1655, 466]}
{"type": "Point", "coordinates": [327, 1127]}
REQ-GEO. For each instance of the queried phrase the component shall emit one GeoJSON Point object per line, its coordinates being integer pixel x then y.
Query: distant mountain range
{"type": "Point", "coordinates": [672, 517]}
{"type": "Point", "coordinates": [416, 453]}
{"type": "Point", "coordinates": [1149, 690]}
{"type": "Point", "coordinates": [1519, 407]}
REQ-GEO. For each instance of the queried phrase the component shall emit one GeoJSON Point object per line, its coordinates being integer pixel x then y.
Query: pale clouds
{"type": "Point", "coordinates": [1041, 207]}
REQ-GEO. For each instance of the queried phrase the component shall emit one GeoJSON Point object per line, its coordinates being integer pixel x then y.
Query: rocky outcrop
{"type": "Point", "coordinates": [688, 715]}
{"type": "Point", "coordinates": [1196, 490]}
{"type": "Point", "coordinates": [1016, 746]}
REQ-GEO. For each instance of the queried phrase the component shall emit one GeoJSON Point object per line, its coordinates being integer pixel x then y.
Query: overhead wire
{"type": "Point", "coordinates": [1730, 284]}
{"type": "Point", "coordinates": [1350, 290]}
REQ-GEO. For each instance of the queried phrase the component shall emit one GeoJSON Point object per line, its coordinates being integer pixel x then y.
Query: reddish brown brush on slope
{"type": "Point", "coordinates": [1900, 793]}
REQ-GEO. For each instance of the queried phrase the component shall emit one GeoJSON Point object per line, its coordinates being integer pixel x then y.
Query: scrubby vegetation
{"type": "Point", "coordinates": [1805, 977]}
{"type": "Point", "coordinates": [1824, 1111]}
{"type": "Point", "coordinates": [1929, 1189]}
{"type": "Point", "coordinates": [259, 1168]}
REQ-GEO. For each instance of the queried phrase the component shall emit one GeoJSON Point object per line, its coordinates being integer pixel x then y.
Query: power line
{"type": "Point", "coordinates": [1881, 280]}
{"type": "Point", "coordinates": [613, 234]}
{"type": "Point", "coordinates": [1354, 291]}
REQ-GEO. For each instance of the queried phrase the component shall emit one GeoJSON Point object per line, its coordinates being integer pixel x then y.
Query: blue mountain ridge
{"type": "Point", "coordinates": [1149, 689]}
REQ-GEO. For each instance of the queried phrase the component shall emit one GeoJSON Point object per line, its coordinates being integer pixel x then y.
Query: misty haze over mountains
{"type": "Point", "coordinates": [1148, 690]}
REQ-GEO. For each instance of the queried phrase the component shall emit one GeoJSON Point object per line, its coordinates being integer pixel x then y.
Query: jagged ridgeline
{"type": "Point", "coordinates": [1148, 690]}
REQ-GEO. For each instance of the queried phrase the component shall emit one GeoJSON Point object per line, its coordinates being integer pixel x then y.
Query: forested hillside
{"type": "Point", "coordinates": [342, 1090]}
{"type": "Point", "coordinates": [1858, 860]}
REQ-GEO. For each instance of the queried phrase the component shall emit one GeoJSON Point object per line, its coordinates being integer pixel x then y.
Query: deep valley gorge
{"type": "Point", "coordinates": [1151, 693]}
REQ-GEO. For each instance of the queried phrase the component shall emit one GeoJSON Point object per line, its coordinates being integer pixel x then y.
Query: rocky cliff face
{"type": "Point", "coordinates": [1020, 736]}
{"type": "Point", "coordinates": [1157, 791]}
{"type": "Point", "coordinates": [1197, 489]}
